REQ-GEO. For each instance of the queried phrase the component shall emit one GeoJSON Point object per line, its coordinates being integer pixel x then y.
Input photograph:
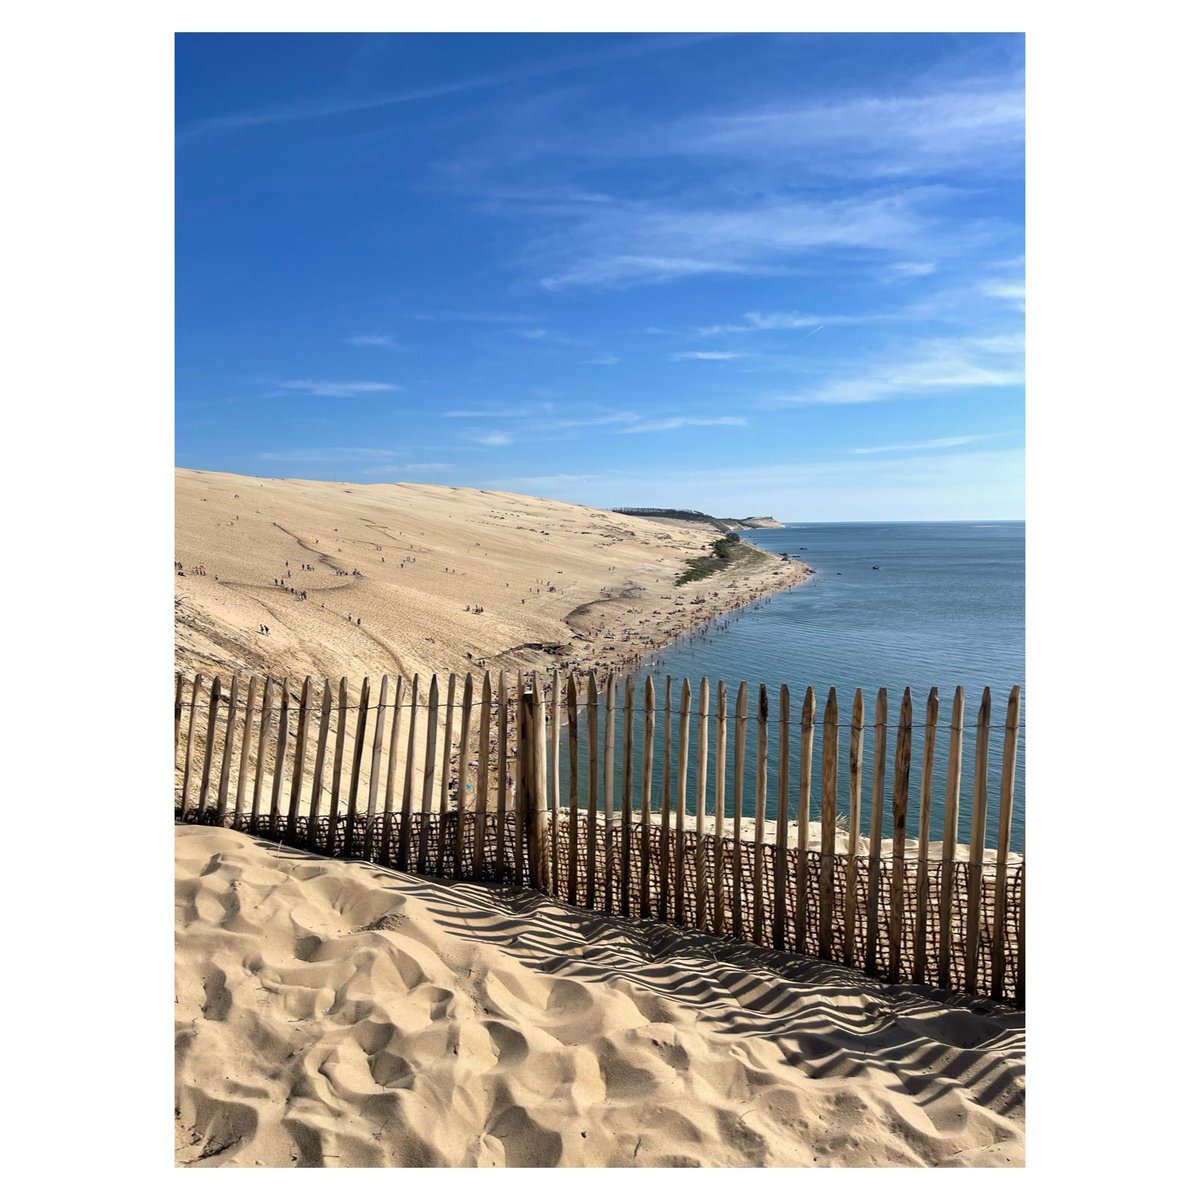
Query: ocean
{"type": "Point", "coordinates": [919, 605]}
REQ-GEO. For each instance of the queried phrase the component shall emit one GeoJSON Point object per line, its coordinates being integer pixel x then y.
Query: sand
{"type": "Point", "coordinates": [400, 570]}
{"type": "Point", "coordinates": [333, 1013]}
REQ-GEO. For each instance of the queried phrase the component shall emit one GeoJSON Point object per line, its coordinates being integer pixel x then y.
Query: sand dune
{"type": "Point", "coordinates": [332, 1013]}
{"type": "Point", "coordinates": [398, 570]}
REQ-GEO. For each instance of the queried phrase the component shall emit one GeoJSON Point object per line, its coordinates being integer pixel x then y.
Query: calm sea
{"type": "Point", "coordinates": [916, 605]}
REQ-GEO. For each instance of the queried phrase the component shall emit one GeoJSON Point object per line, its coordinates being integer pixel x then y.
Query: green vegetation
{"type": "Point", "coordinates": [678, 514]}
{"type": "Point", "coordinates": [726, 552]}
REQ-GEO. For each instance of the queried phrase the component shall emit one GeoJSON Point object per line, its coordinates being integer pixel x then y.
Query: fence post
{"type": "Point", "coordinates": [360, 739]}
{"type": "Point", "coordinates": [530, 808]}
{"type": "Point", "coordinates": [314, 806]}
{"type": "Point", "coordinates": [482, 772]}
{"type": "Point", "coordinates": [920, 954]}
{"type": "Point", "coordinates": [741, 713]}
{"type": "Point", "coordinates": [279, 768]}
{"type": "Point", "coordinates": [555, 784]}
{"type": "Point", "coordinates": [1008, 775]}
{"type": "Point", "coordinates": [573, 791]}
{"type": "Point", "coordinates": [301, 753]}
{"type": "Point", "coordinates": [855, 828]}
{"type": "Point", "coordinates": [719, 817]}
{"type": "Point", "coordinates": [335, 787]}
{"type": "Point", "coordinates": [779, 913]}
{"type": "Point", "coordinates": [900, 779]}
{"type": "Point", "coordinates": [664, 816]}
{"type": "Point", "coordinates": [188, 749]}
{"type": "Point", "coordinates": [950, 837]}
{"type": "Point", "coordinates": [430, 769]}
{"type": "Point", "coordinates": [389, 792]}
{"type": "Point", "coordinates": [373, 777]}
{"type": "Point", "coordinates": [702, 858]}
{"type": "Point", "coordinates": [502, 753]}
{"type": "Point", "coordinates": [647, 777]}
{"type": "Point", "coordinates": [444, 790]}
{"type": "Point", "coordinates": [808, 722]}
{"type": "Point", "coordinates": [464, 744]}
{"type": "Point", "coordinates": [978, 834]}
{"type": "Point", "coordinates": [610, 737]}
{"type": "Point", "coordinates": [406, 798]}
{"type": "Point", "coordinates": [227, 752]}
{"type": "Point", "coordinates": [210, 737]}
{"type": "Point", "coordinates": [829, 767]}
{"type": "Point", "coordinates": [627, 798]}
{"type": "Point", "coordinates": [760, 814]}
{"type": "Point", "coordinates": [244, 761]}
{"type": "Point", "coordinates": [593, 702]}
{"type": "Point", "coordinates": [685, 719]}
{"type": "Point", "coordinates": [540, 816]}
{"type": "Point", "coordinates": [877, 787]}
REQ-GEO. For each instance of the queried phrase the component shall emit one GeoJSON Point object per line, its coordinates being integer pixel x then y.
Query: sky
{"type": "Point", "coordinates": [747, 274]}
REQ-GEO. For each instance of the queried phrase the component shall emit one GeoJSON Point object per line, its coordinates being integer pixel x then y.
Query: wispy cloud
{"type": "Point", "coordinates": [481, 318]}
{"type": "Point", "coordinates": [496, 414]}
{"type": "Point", "coordinates": [489, 437]}
{"type": "Point", "coordinates": [706, 355]}
{"type": "Point", "coordinates": [341, 106]}
{"type": "Point", "coordinates": [337, 389]}
{"type": "Point", "coordinates": [935, 365]}
{"type": "Point", "coordinates": [666, 424]}
{"type": "Point", "coordinates": [381, 340]}
{"type": "Point", "coordinates": [1010, 291]}
{"type": "Point", "coordinates": [933, 444]}
{"type": "Point", "coordinates": [330, 454]}
{"type": "Point", "coordinates": [605, 360]}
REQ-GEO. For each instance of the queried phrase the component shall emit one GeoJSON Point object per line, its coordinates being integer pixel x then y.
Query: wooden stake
{"type": "Point", "coordinates": [360, 743]}
{"type": "Point", "coordinates": [541, 850]}
{"type": "Point", "coordinates": [483, 771]}
{"type": "Point", "coordinates": [702, 856]}
{"type": "Point", "coordinates": [573, 791]}
{"type": "Point", "coordinates": [978, 836]}
{"type": "Point", "coordinates": [760, 814]}
{"type": "Point", "coordinates": [873, 880]}
{"type": "Point", "coordinates": [335, 790]}
{"type": "Point", "coordinates": [647, 776]}
{"type": "Point", "coordinates": [627, 799]}
{"type": "Point", "coordinates": [719, 818]}
{"type": "Point", "coordinates": [431, 716]}
{"type": "Point", "coordinates": [464, 744]}
{"type": "Point", "coordinates": [808, 723]}
{"type": "Point", "coordinates": [444, 789]}
{"type": "Point", "coordinates": [920, 952]}
{"type": "Point", "coordinates": [685, 720]}
{"type": "Point", "coordinates": [855, 828]}
{"type": "Point", "coordinates": [502, 777]}
{"type": "Point", "coordinates": [227, 752]}
{"type": "Point", "coordinates": [373, 778]}
{"type": "Point", "coordinates": [178, 707]}
{"type": "Point", "coordinates": [829, 771]}
{"type": "Point", "coordinates": [389, 793]}
{"type": "Point", "coordinates": [210, 737]}
{"type": "Point", "coordinates": [520, 812]}
{"type": "Point", "coordinates": [314, 805]}
{"type": "Point", "coordinates": [301, 753]}
{"type": "Point", "coordinates": [406, 798]}
{"type": "Point", "coordinates": [610, 736]}
{"type": "Point", "coordinates": [664, 815]}
{"type": "Point", "coordinates": [782, 805]}
{"type": "Point", "coordinates": [264, 727]}
{"type": "Point", "coordinates": [280, 764]}
{"type": "Point", "coordinates": [950, 837]}
{"type": "Point", "coordinates": [739, 778]}
{"type": "Point", "coordinates": [1008, 777]}
{"type": "Point", "coordinates": [244, 761]}
{"type": "Point", "coordinates": [188, 749]}
{"type": "Point", "coordinates": [593, 703]}
{"type": "Point", "coordinates": [900, 780]}
{"type": "Point", "coordinates": [555, 744]}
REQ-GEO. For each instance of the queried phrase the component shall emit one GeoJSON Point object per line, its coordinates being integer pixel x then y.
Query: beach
{"type": "Point", "coordinates": [338, 1014]}
{"type": "Point", "coordinates": [297, 578]}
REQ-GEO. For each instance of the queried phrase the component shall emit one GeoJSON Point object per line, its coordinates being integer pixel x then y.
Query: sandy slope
{"type": "Point", "coordinates": [407, 564]}
{"type": "Point", "coordinates": [335, 1014]}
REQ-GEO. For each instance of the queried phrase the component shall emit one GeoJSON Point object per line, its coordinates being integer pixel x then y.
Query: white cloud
{"type": "Point", "coordinates": [933, 444]}
{"type": "Point", "coordinates": [382, 340]}
{"type": "Point", "coordinates": [605, 360]}
{"type": "Point", "coordinates": [344, 454]}
{"type": "Point", "coordinates": [667, 423]}
{"type": "Point", "coordinates": [706, 355]}
{"type": "Point", "coordinates": [336, 388]}
{"type": "Point", "coordinates": [489, 437]}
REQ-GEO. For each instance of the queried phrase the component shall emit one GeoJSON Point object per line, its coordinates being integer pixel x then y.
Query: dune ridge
{"type": "Point", "coordinates": [333, 1013]}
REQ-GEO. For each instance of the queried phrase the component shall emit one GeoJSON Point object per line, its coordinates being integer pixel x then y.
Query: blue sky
{"type": "Point", "coordinates": [746, 274]}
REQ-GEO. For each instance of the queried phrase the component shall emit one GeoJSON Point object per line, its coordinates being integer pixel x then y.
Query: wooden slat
{"type": "Point", "coordinates": [593, 717]}
{"type": "Point", "coordinates": [741, 708]}
{"type": "Point", "coordinates": [178, 707]}
{"type": "Point", "coordinates": [782, 806]}
{"type": "Point", "coordinates": [406, 796]}
{"type": "Point", "coordinates": [1008, 778]}
{"type": "Point", "coordinates": [900, 782]}
{"type": "Point", "coordinates": [854, 834]}
{"type": "Point", "coordinates": [920, 948]}
{"type": "Point", "coordinates": [389, 791]}
{"type": "Point", "coordinates": [520, 813]}
{"type": "Point", "coordinates": [482, 772]}
{"type": "Point", "coordinates": [610, 741]}
{"type": "Point", "coordinates": [189, 748]}
{"type": "Point", "coordinates": [664, 814]}
{"type": "Point", "coordinates": [369, 842]}
{"type": "Point", "coordinates": [444, 788]}
{"type": "Point", "coordinates": [573, 791]}
{"type": "Point", "coordinates": [293, 818]}
{"type": "Point", "coordinates": [760, 815]}
{"type": "Point", "coordinates": [260, 766]}
{"type": "Point", "coordinates": [808, 722]}
{"type": "Point", "coordinates": [339, 744]}
{"type": "Point", "coordinates": [555, 784]}
{"type": "Point", "coordinates": [539, 852]}
{"type": "Point", "coordinates": [360, 745]}
{"type": "Point", "coordinates": [647, 777]}
{"type": "Point", "coordinates": [244, 762]}
{"type": "Point", "coordinates": [279, 766]}
{"type": "Point", "coordinates": [702, 855]}
{"type": "Point", "coordinates": [829, 772]}
{"type": "Point", "coordinates": [950, 837]}
{"type": "Point", "coordinates": [1019, 989]}
{"type": "Point", "coordinates": [335, 789]}
{"type": "Point", "coordinates": [210, 736]}
{"type": "Point", "coordinates": [719, 818]}
{"type": "Point", "coordinates": [685, 721]}
{"type": "Point", "coordinates": [464, 750]}
{"type": "Point", "coordinates": [978, 834]}
{"type": "Point", "coordinates": [427, 778]}
{"type": "Point", "coordinates": [227, 751]}
{"type": "Point", "coordinates": [314, 805]}
{"type": "Point", "coordinates": [627, 799]}
{"type": "Point", "coordinates": [873, 873]}
{"type": "Point", "coordinates": [503, 752]}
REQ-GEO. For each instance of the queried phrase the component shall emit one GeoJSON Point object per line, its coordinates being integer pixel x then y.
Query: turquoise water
{"type": "Point", "coordinates": [946, 607]}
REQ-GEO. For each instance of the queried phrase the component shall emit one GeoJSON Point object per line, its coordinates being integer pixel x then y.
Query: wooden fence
{"type": "Point", "coordinates": [470, 784]}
